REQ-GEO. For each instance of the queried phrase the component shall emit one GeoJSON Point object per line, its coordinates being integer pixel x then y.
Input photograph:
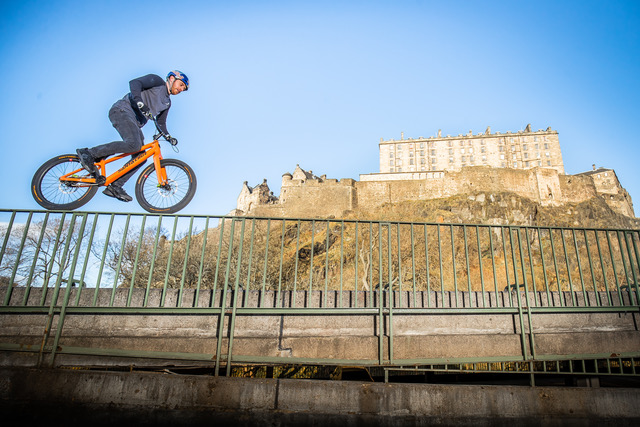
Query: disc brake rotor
{"type": "Point", "coordinates": [66, 188]}
{"type": "Point", "coordinates": [168, 189]}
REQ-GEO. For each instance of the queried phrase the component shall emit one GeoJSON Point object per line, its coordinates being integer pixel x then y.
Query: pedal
{"type": "Point", "coordinates": [100, 179]}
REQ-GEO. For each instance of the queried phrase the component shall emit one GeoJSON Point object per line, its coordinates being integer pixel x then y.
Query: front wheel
{"type": "Point", "coordinates": [170, 197]}
{"type": "Point", "coordinates": [52, 193]}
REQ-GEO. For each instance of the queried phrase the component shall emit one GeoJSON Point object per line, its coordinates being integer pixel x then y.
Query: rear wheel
{"type": "Point", "coordinates": [171, 197]}
{"type": "Point", "coordinates": [52, 193]}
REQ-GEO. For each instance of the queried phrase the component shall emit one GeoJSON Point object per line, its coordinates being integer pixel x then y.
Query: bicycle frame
{"type": "Point", "coordinates": [148, 150]}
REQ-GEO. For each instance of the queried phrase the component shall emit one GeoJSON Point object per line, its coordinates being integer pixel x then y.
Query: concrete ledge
{"type": "Point", "coordinates": [93, 336]}
{"type": "Point", "coordinates": [73, 397]}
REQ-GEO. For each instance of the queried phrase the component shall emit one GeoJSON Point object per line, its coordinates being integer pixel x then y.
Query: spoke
{"type": "Point", "coordinates": [57, 192]}
{"type": "Point", "coordinates": [171, 194]}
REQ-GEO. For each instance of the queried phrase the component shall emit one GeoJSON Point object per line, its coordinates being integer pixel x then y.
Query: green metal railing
{"type": "Point", "coordinates": [79, 262]}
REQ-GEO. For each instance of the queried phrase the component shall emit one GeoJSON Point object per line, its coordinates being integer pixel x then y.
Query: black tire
{"type": "Point", "coordinates": [50, 193]}
{"type": "Point", "coordinates": [170, 199]}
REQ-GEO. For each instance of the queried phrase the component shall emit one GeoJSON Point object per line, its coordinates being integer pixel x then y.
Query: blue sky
{"type": "Point", "coordinates": [279, 83]}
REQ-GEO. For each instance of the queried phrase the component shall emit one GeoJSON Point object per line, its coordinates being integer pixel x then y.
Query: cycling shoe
{"type": "Point", "coordinates": [87, 161]}
{"type": "Point", "coordinates": [117, 192]}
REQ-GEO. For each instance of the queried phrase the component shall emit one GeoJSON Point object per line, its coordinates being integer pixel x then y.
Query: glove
{"type": "Point", "coordinates": [172, 140]}
{"type": "Point", "coordinates": [145, 110]}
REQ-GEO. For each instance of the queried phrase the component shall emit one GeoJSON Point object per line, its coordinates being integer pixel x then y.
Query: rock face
{"type": "Point", "coordinates": [505, 208]}
{"type": "Point", "coordinates": [479, 195]}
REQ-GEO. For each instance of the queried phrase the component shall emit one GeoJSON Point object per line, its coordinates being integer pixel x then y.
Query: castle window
{"type": "Point", "coordinates": [515, 164]}
{"type": "Point", "coordinates": [526, 164]}
{"type": "Point", "coordinates": [484, 158]}
{"type": "Point", "coordinates": [548, 162]}
{"type": "Point", "coordinates": [524, 146]}
{"type": "Point", "coordinates": [513, 148]}
{"type": "Point", "coordinates": [483, 149]}
{"type": "Point", "coordinates": [433, 168]}
{"type": "Point", "coordinates": [461, 143]}
{"type": "Point", "coordinates": [501, 148]}
{"type": "Point", "coordinates": [451, 151]}
{"type": "Point", "coordinates": [399, 170]}
{"type": "Point", "coordinates": [464, 159]}
{"type": "Point", "coordinates": [537, 146]}
{"type": "Point", "coordinates": [526, 155]}
{"type": "Point", "coordinates": [547, 154]}
{"type": "Point", "coordinates": [410, 161]}
{"type": "Point", "coordinates": [514, 157]}
{"type": "Point", "coordinates": [501, 156]}
{"type": "Point", "coordinates": [422, 161]}
{"type": "Point", "coordinates": [450, 143]}
{"type": "Point", "coordinates": [539, 163]}
{"type": "Point", "coordinates": [471, 150]}
{"type": "Point", "coordinates": [422, 152]}
{"type": "Point", "coordinates": [538, 155]}
{"type": "Point", "coordinates": [410, 153]}
{"type": "Point", "coordinates": [422, 145]}
{"type": "Point", "coordinates": [546, 146]}
{"type": "Point", "coordinates": [399, 162]}
{"type": "Point", "coordinates": [391, 154]}
{"type": "Point", "coordinates": [482, 141]}
{"type": "Point", "coordinates": [462, 151]}
{"type": "Point", "coordinates": [433, 152]}
{"type": "Point", "coordinates": [399, 147]}
{"type": "Point", "coordinates": [535, 138]}
{"type": "Point", "coordinates": [502, 164]}
{"type": "Point", "coordinates": [450, 159]}
{"type": "Point", "coordinates": [391, 163]}
{"type": "Point", "coordinates": [471, 159]}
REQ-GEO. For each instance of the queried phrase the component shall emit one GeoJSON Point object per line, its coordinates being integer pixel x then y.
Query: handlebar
{"type": "Point", "coordinates": [160, 134]}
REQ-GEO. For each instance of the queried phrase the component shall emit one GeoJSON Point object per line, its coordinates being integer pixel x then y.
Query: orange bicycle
{"type": "Point", "coordinates": [166, 186]}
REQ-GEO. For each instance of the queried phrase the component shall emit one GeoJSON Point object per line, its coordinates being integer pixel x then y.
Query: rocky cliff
{"type": "Point", "coordinates": [503, 208]}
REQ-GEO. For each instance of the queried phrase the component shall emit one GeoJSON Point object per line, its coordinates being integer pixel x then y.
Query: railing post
{"type": "Point", "coordinates": [234, 302]}
{"type": "Point", "coordinates": [67, 293]}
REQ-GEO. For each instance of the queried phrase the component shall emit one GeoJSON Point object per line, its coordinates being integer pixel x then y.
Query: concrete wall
{"type": "Point", "coordinates": [92, 337]}
{"type": "Point", "coordinates": [68, 397]}
{"type": "Point", "coordinates": [164, 340]}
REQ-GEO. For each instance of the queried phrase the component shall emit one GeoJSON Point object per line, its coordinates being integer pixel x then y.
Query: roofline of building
{"type": "Point", "coordinates": [470, 135]}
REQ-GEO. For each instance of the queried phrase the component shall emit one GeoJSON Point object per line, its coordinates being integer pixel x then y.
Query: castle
{"type": "Point", "coordinates": [521, 150]}
{"type": "Point", "coordinates": [528, 163]}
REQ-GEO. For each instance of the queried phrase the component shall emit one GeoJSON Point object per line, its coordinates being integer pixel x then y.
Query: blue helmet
{"type": "Point", "coordinates": [179, 75]}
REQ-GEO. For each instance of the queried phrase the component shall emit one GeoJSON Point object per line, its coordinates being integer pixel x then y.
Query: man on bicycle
{"type": "Point", "coordinates": [149, 97]}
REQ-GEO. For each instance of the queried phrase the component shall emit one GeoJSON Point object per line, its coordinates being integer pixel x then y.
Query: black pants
{"type": "Point", "coordinates": [125, 122]}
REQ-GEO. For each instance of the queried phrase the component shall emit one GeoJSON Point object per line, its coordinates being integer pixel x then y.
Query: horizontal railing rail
{"type": "Point", "coordinates": [74, 263]}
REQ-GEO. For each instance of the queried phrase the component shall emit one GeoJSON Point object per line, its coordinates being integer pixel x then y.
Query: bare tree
{"type": "Point", "coordinates": [37, 253]}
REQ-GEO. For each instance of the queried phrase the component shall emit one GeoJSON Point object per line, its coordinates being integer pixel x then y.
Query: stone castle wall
{"type": "Point", "coordinates": [528, 163]}
{"type": "Point", "coordinates": [306, 195]}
